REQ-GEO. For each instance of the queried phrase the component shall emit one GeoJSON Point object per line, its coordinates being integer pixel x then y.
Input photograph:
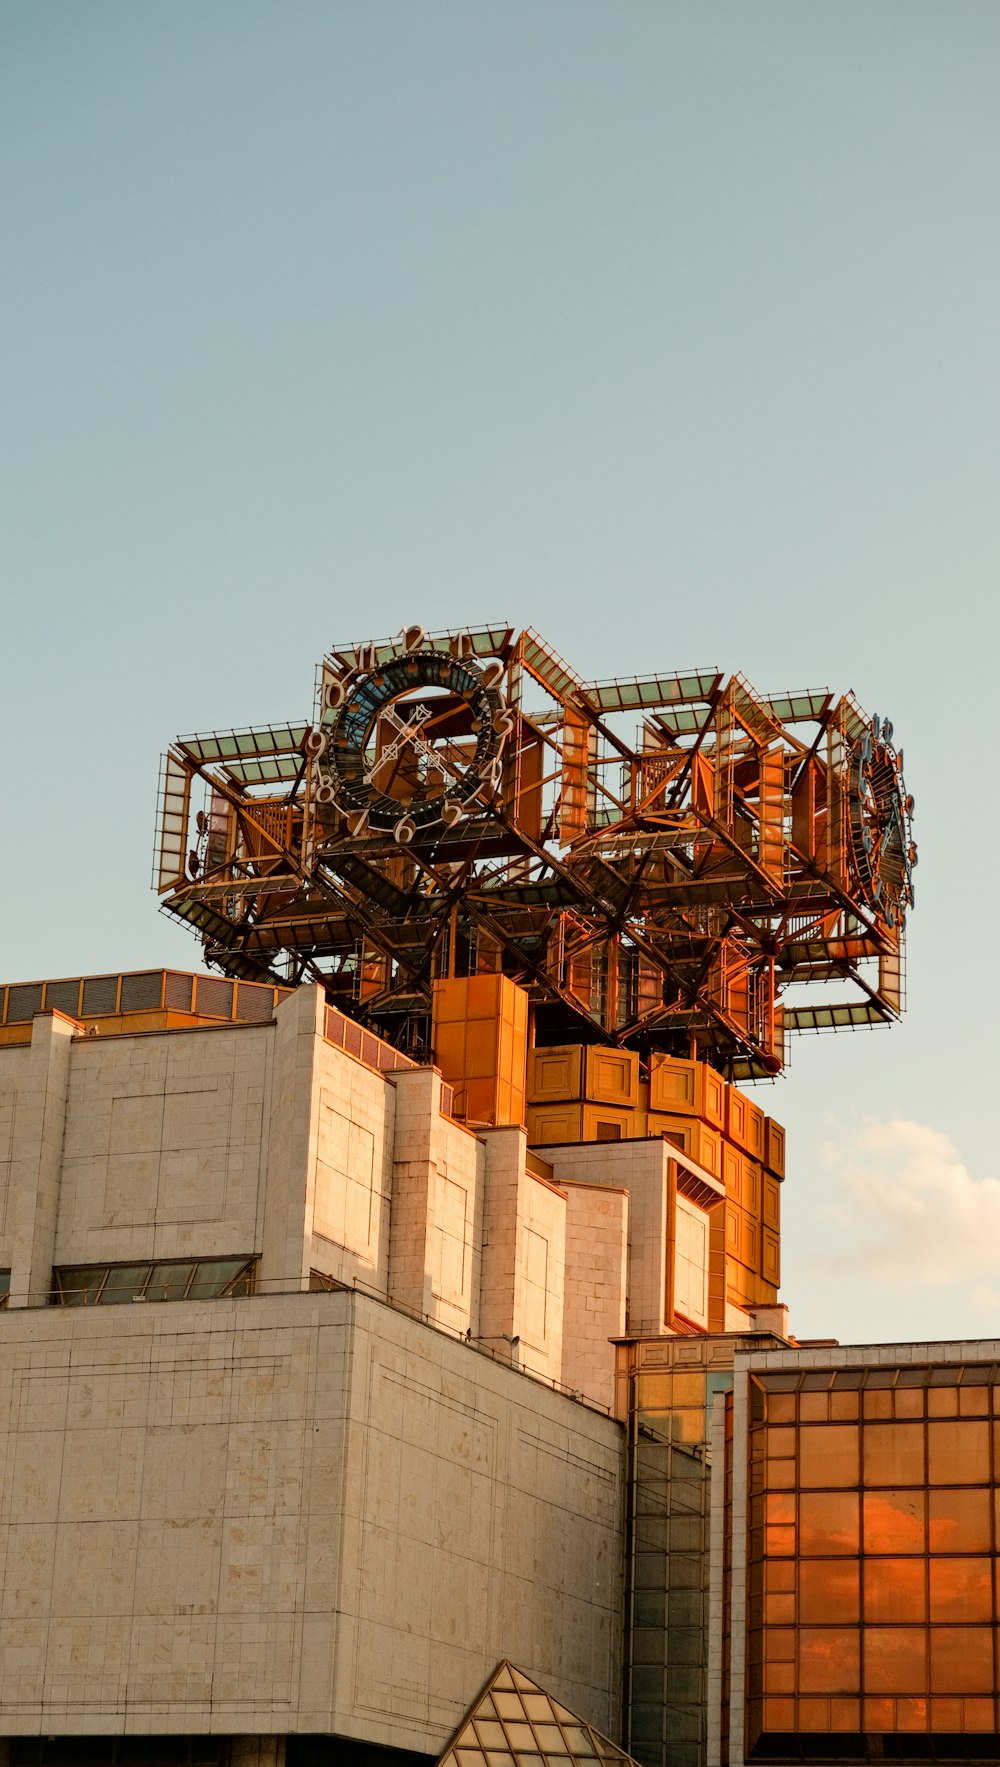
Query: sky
{"type": "Point", "coordinates": [669, 329]}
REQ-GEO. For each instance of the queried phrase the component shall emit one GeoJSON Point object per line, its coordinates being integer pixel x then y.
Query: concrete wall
{"type": "Point", "coordinates": [265, 1140]}
{"type": "Point", "coordinates": [596, 1286]}
{"type": "Point", "coordinates": [298, 1512]}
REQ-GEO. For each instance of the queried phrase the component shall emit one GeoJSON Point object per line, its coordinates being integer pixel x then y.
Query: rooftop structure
{"type": "Point", "coordinates": [669, 863]}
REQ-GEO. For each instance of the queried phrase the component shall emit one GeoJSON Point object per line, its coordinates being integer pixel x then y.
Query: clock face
{"type": "Point", "coordinates": [411, 742]}
{"type": "Point", "coordinates": [882, 849]}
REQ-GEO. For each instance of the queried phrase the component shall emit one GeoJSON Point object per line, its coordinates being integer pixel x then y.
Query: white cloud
{"type": "Point", "coordinates": [914, 1211]}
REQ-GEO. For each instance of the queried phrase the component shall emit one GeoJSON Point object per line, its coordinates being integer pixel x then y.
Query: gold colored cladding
{"type": "Point", "coordinates": [687, 1088]}
{"type": "Point", "coordinates": [744, 1236]}
{"type": "Point", "coordinates": [514, 1722]}
{"type": "Point", "coordinates": [578, 1121]}
{"type": "Point", "coordinates": [480, 1045]}
{"type": "Point", "coordinates": [574, 1072]}
{"type": "Point", "coordinates": [701, 1144]}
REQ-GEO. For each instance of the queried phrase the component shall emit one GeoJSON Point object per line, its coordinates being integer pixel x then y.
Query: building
{"type": "Point", "coordinates": [395, 1368]}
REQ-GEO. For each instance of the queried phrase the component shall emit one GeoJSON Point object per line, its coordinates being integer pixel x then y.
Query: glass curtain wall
{"type": "Point", "coordinates": [671, 1386]}
{"type": "Point", "coordinates": [874, 1540]}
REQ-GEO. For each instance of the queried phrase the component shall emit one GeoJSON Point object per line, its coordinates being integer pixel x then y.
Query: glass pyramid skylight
{"type": "Point", "coordinates": [515, 1723]}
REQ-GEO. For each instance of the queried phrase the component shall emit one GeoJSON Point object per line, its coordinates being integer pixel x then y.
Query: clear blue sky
{"type": "Point", "coordinates": [671, 329]}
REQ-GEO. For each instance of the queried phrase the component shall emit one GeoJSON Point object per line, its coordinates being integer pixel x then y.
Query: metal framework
{"type": "Point", "coordinates": [669, 862]}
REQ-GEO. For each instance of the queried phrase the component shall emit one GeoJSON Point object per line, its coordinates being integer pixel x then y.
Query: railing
{"type": "Point", "coordinates": [374, 1052]}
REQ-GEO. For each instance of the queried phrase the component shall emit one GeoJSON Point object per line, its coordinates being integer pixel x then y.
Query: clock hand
{"type": "Point", "coordinates": [407, 734]}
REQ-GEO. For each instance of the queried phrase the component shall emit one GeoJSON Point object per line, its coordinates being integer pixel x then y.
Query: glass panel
{"type": "Point", "coordinates": [958, 1521]}
{"type": "Point", "coordinates": [779, 1577]}
{"type": "Point", "coordinates": [813, 1407]}
{"type": "Point", "coordinates": [879, 1715]}
{"type": "Point", "coordinates": [829, 1660]}
{"type": "Point", "coordinates": [779, 1507]}
{"type": "Point", "coordinates": [779, 1677]}
{"type": "Point", "coordinates": [779, 1644]}
{"type": "Point", "coordinates": [779, 1542]}
{"type": "Point", "coordinates": [781, 1475]}
{"type": "Point", "coordinates": [779, 1714]}
{"type": "Point", "coordinates": [779, 1610]}
{"type": "Point", "coordinates": [168, 1282]}
{"type": "Point", "coordinates": [942, 1402]}
{"type": "Point", "coordinates": [895, 1659]}
{"type": "Point", "coordinates": [894, 1454]}
{"type": "Point", "coordinates": [80, 1285]}
{"type": "Point", "coordinates": [212, 1275]}
{"type": "Point", "coordinates": [490, 1734]}
{"type": "Point", "coordinates": [894, 1521]}
{"type": "Point", "coordinates": [843, 1406]}
{"type": "Point", "coordinates": [961, 1589]}
{"type": "Point", "coordinates": [911, 1714]}
{"type": "Point", "coordinates": [781, 1407]}
{"type": "Point", "coordinates": [550, 1739]}
{"type": "Point", "coordinates": [125, 1281]}
{"type": "Point", "coordinates": [780, 1443]}
{"type": "Point", "coordinates": [508, 1705]}
{"type": "Point", "coordinates": [877, 1404]}
{"type": "Point", "coordinates": [828, 1454]}
{"type": "Point", "coordinates": [828, 1522]}
{"type": "Point", "coordinates": [520, 1736]}
{"type": "Point", "coordinates": [958, 1453]}
{"type": "Point", "coordinates": [689, 1389]}
{"type": "Point", "coordinates": [895, 1589]}
{"type": "Point", "coordinates": [829, 1590]}
{"type": "Point", "coordinates": [908, 1402]}
{"type": "Point", "coordinates": [654, 1392]}
{"type": "Point", "coordinates": [845, 1715]}
{"type": "Point", "coordinates": [978, 1715]}
{"type": "Point", "coordinates": [973, 1401]}
{"type": "Point", "coordinates": [814, 1715]}
{"type": "Point", "coordinates": [578, 1740]}
{"type": "Point", "coordinates": [961, 1659]}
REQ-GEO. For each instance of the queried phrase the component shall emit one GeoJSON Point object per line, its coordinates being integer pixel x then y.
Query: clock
{"type": "Point", "coordinates": [409, 743]}
{"type": "Point", "coordinates": [883, 853]}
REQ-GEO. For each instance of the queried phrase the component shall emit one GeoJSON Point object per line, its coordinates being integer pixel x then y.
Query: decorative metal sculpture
{"type": "Point", "coordinates": [462, 802]}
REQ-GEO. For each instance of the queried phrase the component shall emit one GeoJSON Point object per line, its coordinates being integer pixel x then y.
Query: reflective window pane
{"type": "Point", "coordinates": [780, 1443]}
{"type": "Point", "coordinates": [894, 1454]}
{"type": "Point", "coordinates": [961, 1659]}
{"type": "Point", "coordinates": [779, 1714]}
{"type": "Point", "coordinates": [958, 1453]}
{"type": "Point", "coordinates": [828, 1522]}
{"type": "Point", "coordinates": [961, 1589]}
{"type": "Point", "coordinates": [958, 1521]}
{"type": "Point", "coordinates": [828, 1455]}
{"type": "Point", "coordinates": [829, 1660]}
{"type": "Point", "coordinates": [895, 1659]}
{"type": "Point", "coordinates": [893, 1521]}
{"type": "Point", "coordinates": [830, 1591]}
{"type": "Point", "coordinates": [895, 1590]}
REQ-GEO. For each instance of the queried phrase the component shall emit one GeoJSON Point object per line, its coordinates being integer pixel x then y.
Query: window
{"type": "Point", "coordinates": [874, 1530]}
{"type": "Point", "coordinates": [174, 1279]}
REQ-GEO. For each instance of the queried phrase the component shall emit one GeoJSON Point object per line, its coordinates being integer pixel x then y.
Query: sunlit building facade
{"type": "Point", "coordinates": [394, 1368]}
